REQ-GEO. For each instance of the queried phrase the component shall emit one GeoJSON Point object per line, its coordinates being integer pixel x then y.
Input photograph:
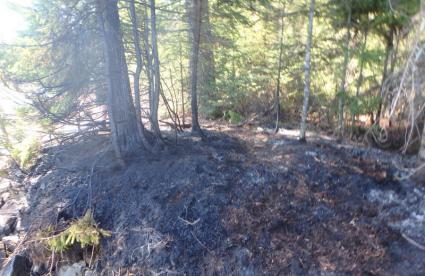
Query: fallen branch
{"type": "Point", "coordinates": [412, 242]}
{"type": "Point", "coordinates": [203, 245]}
{"type": "Point", "coordinates": [410, 172]}
{"type": "Point", "coordinates": [188, 222]}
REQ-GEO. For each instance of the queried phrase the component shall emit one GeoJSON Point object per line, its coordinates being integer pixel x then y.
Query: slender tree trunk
{"type": "Point", "coordinates": [148, 56]}
{"type": "Point", "coordinates": [195, 22]}
{"type": "Point", "coordinates": [307, 70]}
{"type": "Point", "coordinates": [206, 66]}
{"type": "Point", "coordinates": [360, 79]}
{"type": "Point", "coordinates": [422, 148]}
{"type": "Point", "coordinates": [279, 70]}
{"type": "Point", "coordinates": [388, 51]}
{"type": "Point", "coordinates": [157, 76]}
{"type": "Point", "coordinates": [418, 114]}
{"type": "Point", "coordinates": [139, 66]}
{"type": "Point", "coordinates": [182, 86]}
{"type": "Point", "coordinates": [394, 54]}
{"type": "Point", "coordinates": [122, 115]}
{"type": "Point", "coordinates": [136, 76]}
{"type": "Point", "coordinates": [342, 90]}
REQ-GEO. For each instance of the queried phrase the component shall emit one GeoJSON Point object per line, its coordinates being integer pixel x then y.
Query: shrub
{"type": "Point", "coordinates": [25, 152]}
{"type": "Point", "coordinates": [213, 112]}
{"type": "Point", "coordinates": [233, 117]}
{"type": "Point", "coordinates": [83, 231]}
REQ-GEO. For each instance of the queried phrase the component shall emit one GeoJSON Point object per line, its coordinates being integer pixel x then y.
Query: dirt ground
{"type": "Point", "coordinates": [237, 202]}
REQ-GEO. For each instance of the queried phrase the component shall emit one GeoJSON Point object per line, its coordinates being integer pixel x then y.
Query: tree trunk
{"type": "Point", "coordinates": [342, 90]}
{"type": "Point", "coordinates": [182, 85]}
{"type": "Point", "coordinates": [394, 54]}
{"type": "Point", "coordinates": [307, 70]}
{"type": "Point", "coordinates": [206, 66]}
{"type": "Point", "coordinates": [195, 22]}
{"type": "Point", "coordinates": [279, 70]}
{"type": "Point", "coordinates": [422, 148]}
{"type": "Point", "coordinates": [148, 56]}
{"type": "Point", "coordinates": [360, 79]}
{"type": "Point", "coordinates": [156, 74]}
{"type": "Point", "coordinates": [136, 76]}
{"type": "Point", "coordinates": [388, 51]}
{"type": "Point", "coordinates": [122, 115]}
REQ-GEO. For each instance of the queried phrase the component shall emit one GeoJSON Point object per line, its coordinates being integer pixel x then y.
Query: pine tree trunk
{"type": "Point", "coordinates": [138, 52]}
{"type": "Point", "coordinates": [195, 24]}
{"type": "Point", "coordinates": [136, 76]}
{"type": "Point", "coordinates": [122, 115]}
{"type": "Point", "coordinates": [206, 68]}
{"type": "Point", "coordinates": [307, 70]}
{"type": "Point", "coordinates": [148, 56]}
{"type": "Point", "coordinates": [279, 71]}
{"type": "Point", "coordinates": [182, 86]}
{"type": "Point", "coordinates": [342, 90]}
{"type": "Point", "coordinates": [360, 79]}
{"type": "Point", "coordinates": [156, 73]}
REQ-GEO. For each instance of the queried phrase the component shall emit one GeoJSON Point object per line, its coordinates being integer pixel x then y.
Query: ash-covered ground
{"type": "Point", "coordinates": [236, 202]}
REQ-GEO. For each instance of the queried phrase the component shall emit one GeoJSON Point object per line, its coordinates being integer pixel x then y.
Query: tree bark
{"type": "Point", "coordinates": [342, 90]}
{"type": "Point", "coordinates": [279, 70]}
{"type": "Point", "coordinates": [422, 148]}
{"type": "Point", "coordinates": [122, 114]}
{"type": "Point", "coordinates": [136, 76]}
{"type": "Point", "coordinates": [148, 56]}
{"type": "Point", "coordinates": [195, 26]}
{"type": "Point", "coordinates": [360, 79]}
{"type": "Point", "coordinates": [207, 81]}
{"type": "Point", "coordinates": [182, 84]}
{"type": "Point", "coordinates": [156, 73]}
{"type": "Point", "coordinates": [388, 51]}
{"type": "Point", "coordinates": [138, 51]}
{"type": "Point", "coordinates": [307, 69]}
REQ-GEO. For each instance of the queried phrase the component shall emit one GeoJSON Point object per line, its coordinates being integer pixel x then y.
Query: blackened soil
{"type": "Point", "coordinates": [236, 202]}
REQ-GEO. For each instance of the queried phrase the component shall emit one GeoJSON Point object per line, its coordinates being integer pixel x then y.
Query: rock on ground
{"type": "Point", "coordinates": [76, 269]}
{"type": "Point", "coordinates": [17, 266]}
{"type": "Point", "coordinates": [7, 224]}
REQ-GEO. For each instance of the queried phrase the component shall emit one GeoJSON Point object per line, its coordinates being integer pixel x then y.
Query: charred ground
{"type": "Point", "coordinates": [237, 201]}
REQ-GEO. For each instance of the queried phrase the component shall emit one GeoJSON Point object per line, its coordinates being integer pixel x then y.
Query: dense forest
{"type": "Point", "coordinates": [213, 137]}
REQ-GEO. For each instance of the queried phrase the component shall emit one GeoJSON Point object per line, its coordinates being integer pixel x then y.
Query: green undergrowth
{"type": "Point", "coordinates": [83, 231]}
{"type": "Point", "coordinates": [233, 117]}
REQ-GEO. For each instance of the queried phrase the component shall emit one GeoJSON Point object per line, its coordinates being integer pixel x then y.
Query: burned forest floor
{"type": "Point", "coordinates": [237, 201]}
